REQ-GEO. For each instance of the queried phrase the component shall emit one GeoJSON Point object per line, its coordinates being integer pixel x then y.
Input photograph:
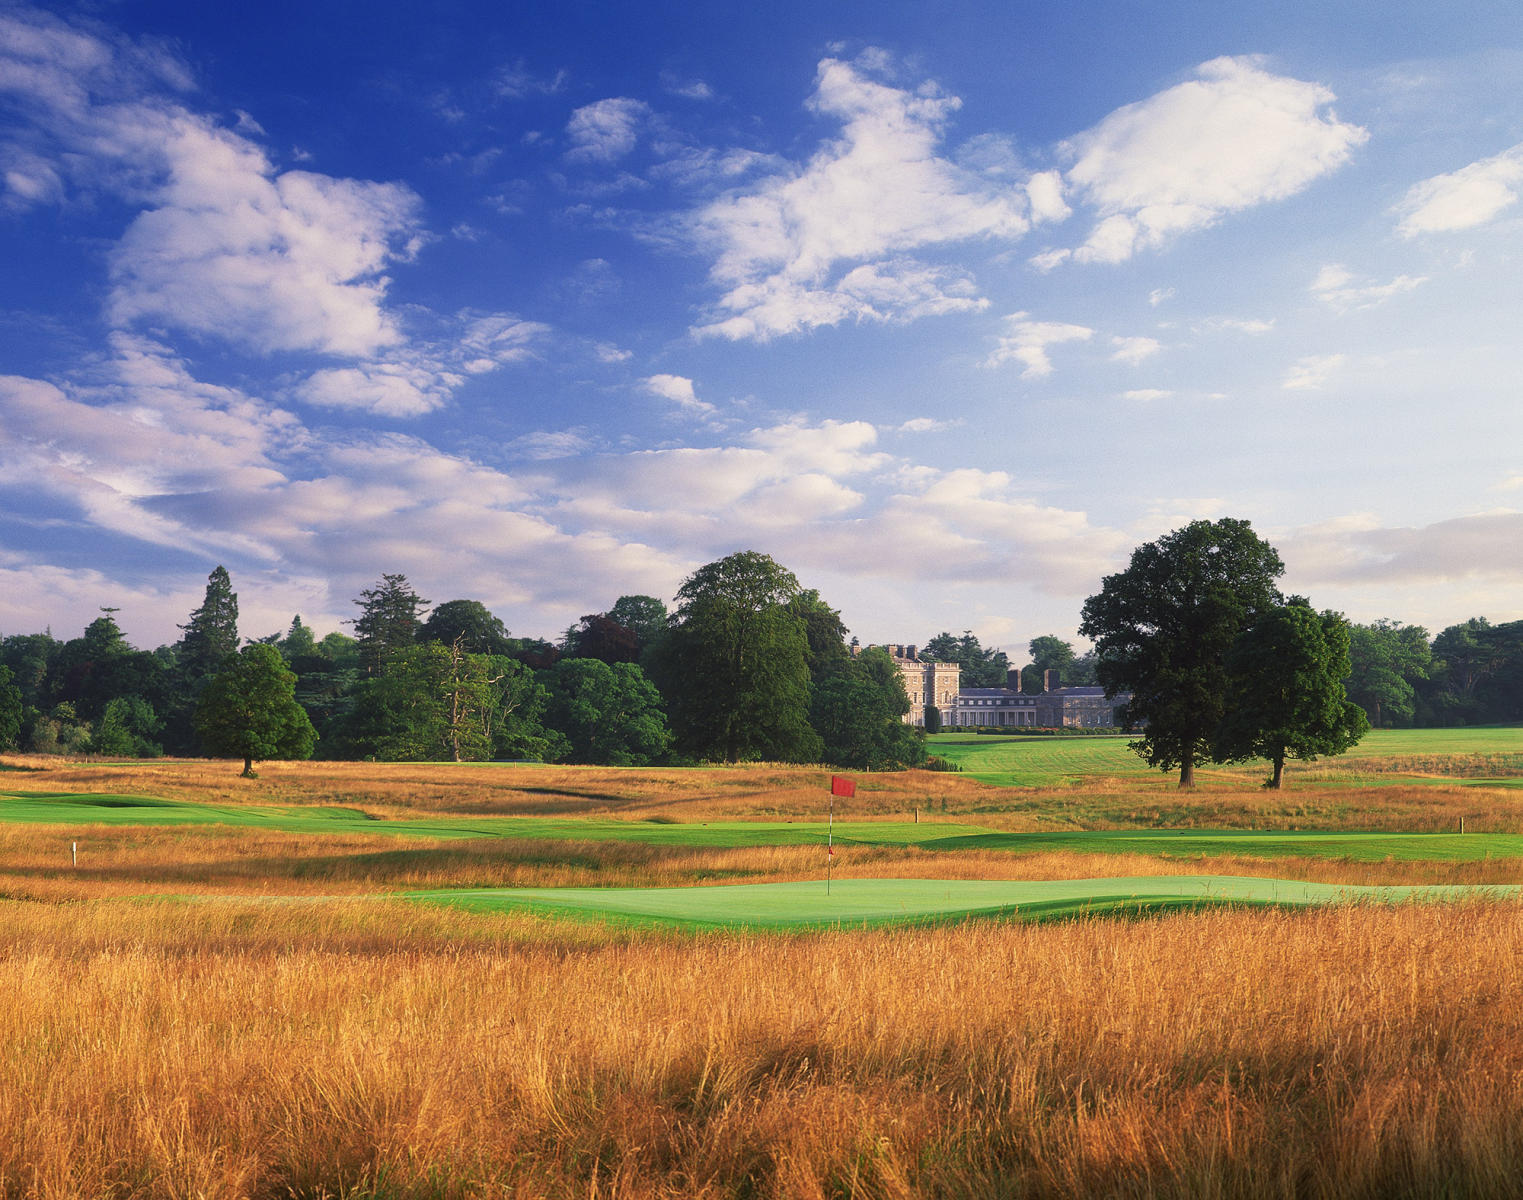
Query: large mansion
{"type": "Point", "coordinates": [939, 683]}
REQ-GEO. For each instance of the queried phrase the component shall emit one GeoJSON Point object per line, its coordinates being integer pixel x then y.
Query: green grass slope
{"type": "Point", "coordinates": [83, 810]}
{"type": "Point", "coordinates": [859, 902]}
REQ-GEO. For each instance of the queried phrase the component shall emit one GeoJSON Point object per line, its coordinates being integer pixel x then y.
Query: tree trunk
{"type": "Point", "coordinates": [1187, 770]}
{"type": "Point", "coordinates": [248, 767]}
{"type": "Point", "coordinates": [1277, 780]}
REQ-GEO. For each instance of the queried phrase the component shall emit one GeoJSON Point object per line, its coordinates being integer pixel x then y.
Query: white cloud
{"type": "Point", "coordinates": [421, 377]}
{"type": "Point", "coordinates": [828, 241]}
{"type": "Point", "coordinates": [1158, 295]}
{"type": "Point", "coordinates": [606, 130]}
{"type": "Point", "coordinates": [1311, 372]}
{"type": "Point", "coordinates": [1234, 137]}
{"type": "Point", "coordinates": [1465, 198]}
{"type": "Point", "coordinates": [1146, 395]}
{"type": "Point", "coordinates": [1026, 342]}
{"type": "Point", "coordinates": [1250, 325]}
{"type": "Point", "coordinates": [679, 390]}
{"type": "Point", "coordinates": [1358, 549]}
{"type": "Point", "coordinates": [1135, 350]}
{"type": "Point", "coordinates": [226, 245]}
{"type": "Point", "coordinates": [927, 425]}
{"type": "Point", "coordinates": [1335, 286]}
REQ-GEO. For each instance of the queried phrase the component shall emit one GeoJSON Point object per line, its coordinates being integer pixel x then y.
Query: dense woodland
{"type": "Point", "coordinates": [748, 666]}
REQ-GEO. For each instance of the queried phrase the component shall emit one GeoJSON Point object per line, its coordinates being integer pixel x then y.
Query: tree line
{"type": "Point", "coordinates": [749, 666]}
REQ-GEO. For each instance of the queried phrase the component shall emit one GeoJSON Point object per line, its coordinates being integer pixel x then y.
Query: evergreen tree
{"type": "Point", "coordinates": [389, 619]}
{"type": "Point", "coordinates": [467, 621]}
{"type": "Point", "coordinates": [211, 634]}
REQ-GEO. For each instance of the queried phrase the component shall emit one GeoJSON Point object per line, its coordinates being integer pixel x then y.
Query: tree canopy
{"type": "Point", "coordinates": [390, 614]}
{"type": "Point", "coordinates": [734, 665]}
{"type": "Point", "coordinates": [1162, 629]}
{"type": "Point", "coordinates": [1285, 694]}
{"type": "Point", "coordinates": [249, 710]}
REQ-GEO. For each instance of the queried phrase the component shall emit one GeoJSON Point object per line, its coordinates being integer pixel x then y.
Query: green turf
{"type": "Point", "coordinates": [79, 811]}
{"type": "Point", "coordinates": [856, 902]}
{"type": "Point", "coordinates": [1411, 756]}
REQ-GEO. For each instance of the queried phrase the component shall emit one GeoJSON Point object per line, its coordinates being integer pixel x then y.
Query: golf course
{"type": "Point", "coordinates": [1049, 972]}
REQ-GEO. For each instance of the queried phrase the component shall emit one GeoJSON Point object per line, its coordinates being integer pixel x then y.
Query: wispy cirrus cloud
{"type": "Point", "coordinates": [1336, 287]}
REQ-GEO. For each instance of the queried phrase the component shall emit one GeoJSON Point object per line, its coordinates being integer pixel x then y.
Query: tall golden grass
{"type": "Point", "coordinates": [380, 1049]}
{"type": "Point", "coordinates": [771, 791]}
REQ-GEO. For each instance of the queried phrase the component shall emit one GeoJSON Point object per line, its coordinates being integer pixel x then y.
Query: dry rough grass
{"type": "Point", "coordinates": [292, 1035]}
{"type": "Point", "coordinates": [357, 1049]}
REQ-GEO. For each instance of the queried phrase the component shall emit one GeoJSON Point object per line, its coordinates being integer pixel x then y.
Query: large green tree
{"type": "Point", "coordinates": [858, 710]}
{"type": "Point", "coordinates": [390, 615]}
{"type": "Point", "coordinates": [1162, 629]}
{"type": "Point", "coordinates": [211, 634]}
{"type": "Point", "coordinates": [470, 622]}
{"type": "Point", "coordinates": [734, 666]}
{"type": "Point", "coordinates": [1387, 660]}
{"type": "Point", "coordinates": [1285, 690]}
{"type": "Point", "coordinates": [249, 710]}
{"type": "Point", "coordinates": [981, 667]}
{"type": "Point", "coordinates": [11, 710]}
{"type": "Point", "coordinates": [609, 714]}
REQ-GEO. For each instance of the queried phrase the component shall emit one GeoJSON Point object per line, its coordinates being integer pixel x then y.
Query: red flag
{"type": "Point", "coordinates": [841, 786]}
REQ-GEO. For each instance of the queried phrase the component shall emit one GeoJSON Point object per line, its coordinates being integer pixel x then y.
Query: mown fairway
{"type": "Point", "coordinates": [1491, 757]}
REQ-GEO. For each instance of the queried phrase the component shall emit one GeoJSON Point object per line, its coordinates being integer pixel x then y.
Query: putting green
{"type": "Point", "coordinates": [857, 902]}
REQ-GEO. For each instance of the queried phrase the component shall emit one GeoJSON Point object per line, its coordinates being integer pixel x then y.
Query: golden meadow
{"type": "Point", "coordinates": [293, 1032]}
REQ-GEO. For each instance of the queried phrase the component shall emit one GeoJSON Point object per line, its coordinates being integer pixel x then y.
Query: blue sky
{"type": "Point", "coordinates": [945, 307]}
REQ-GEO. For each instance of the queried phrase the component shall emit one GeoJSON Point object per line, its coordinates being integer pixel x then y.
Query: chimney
{"type": "Point", "coordinates": [1013, 679]}
{"type": "Point", "coordinates": [1051, 680]}
{"type": "Point", "coordinates": [909, 653]}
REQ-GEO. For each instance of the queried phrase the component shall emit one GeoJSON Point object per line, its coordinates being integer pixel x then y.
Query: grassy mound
{"type": "Point", "coordinates": [867, 902]}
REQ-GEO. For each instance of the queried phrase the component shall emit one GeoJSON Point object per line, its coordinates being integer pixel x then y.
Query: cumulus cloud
{"type": "Point", "coordinates": [679, 390]}
{"type": "Point", "coordinates": [1465, 198]}
{"type": "Point", "coordinates": [226, 245]}
{"type": "Point", "coordinates": [1233, 137]}
{"type": "Point", "coordinates": [829, 240]}
{"type": "Point", "coordinates": [424, 375]}
{"type": "Point", "coordinates": [1026, 342]}
{"type": "Point", "coordinates": [606, 130]}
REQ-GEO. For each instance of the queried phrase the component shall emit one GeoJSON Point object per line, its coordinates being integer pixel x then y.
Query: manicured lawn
{"type": "Point", "coordinates": [1490, 755]}
{"type": "Point", "coordinates": [76, 810]}
{"type": "Point", "coordinates": [857, 902]}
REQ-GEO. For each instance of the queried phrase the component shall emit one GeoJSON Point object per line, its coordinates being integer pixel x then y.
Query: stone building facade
{"type": "Point", "coordinates": [939, 683]}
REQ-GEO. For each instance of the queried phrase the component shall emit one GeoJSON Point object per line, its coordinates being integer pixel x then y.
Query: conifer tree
{"type": "Point", "coordinates": [211, 634]}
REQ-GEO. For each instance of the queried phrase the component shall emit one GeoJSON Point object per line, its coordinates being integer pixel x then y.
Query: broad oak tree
{"type": "Point", "coordinates": [1162, 629]}
{"type": "Point", "coordinates": [734, 665]}
{"type": "Point", "coordinates": [249, 710]}
{"type": "Point", "coordinates": [1285, 690]}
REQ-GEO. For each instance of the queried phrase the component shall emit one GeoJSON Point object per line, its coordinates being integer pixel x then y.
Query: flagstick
{"type": "Point", "coordinates": [830, 842]}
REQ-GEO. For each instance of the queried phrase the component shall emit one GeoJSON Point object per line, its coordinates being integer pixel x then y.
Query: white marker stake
{"type": "Point", "coordinates": [74, 852]}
